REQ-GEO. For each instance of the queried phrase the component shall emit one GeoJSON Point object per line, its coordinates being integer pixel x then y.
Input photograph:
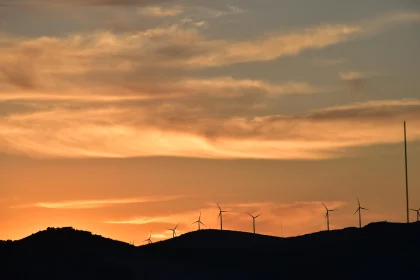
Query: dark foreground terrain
{"type": "Point", "coordinates": [377, 251]}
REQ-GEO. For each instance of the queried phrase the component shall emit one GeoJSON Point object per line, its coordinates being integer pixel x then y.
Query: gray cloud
{"type": "Point", "coordinates": [83, 2]}
{"type": "Point", "coordinates": [13, 107]}
{"type": "Point", "coordinates": [294, 127]}
{"type": "Point", "coordinates": [355, 80]}
{"type": "Point", "coordinates": [21, 75]}
{"type": "Point", "coordinates": [55, 64]}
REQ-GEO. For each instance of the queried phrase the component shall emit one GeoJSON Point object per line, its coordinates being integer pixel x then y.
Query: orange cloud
{"type": "Point", "coordinates": [91, 204]}
{"type": "Point", "coordinates": [182, 131]}
{"type": "Point", "coordinates": [159, 11]}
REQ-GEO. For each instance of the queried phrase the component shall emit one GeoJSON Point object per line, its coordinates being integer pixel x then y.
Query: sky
{"type": "Point", "coordinates": [127, 117]}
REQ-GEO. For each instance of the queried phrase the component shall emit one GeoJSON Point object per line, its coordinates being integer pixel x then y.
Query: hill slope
{"type": "Point", "coordinates": [379, 250]}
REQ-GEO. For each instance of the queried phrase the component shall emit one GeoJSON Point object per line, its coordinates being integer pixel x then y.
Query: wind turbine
{"type": "Point", "coordinates": [418, 213]}
{"type": "Point", "coordinates": [359, 209]}
{"type": "Point", "coordinates": [149, 239]}
{"type": "Point", "coordinates": [220, 216]}
{"type": "Point", "coordinates": [199, 221]}
{"type": "Point", "coordinates": [327, 215]}
{"type": "Point", "coordinates": [253, 220]}
{"type": "Point", "coordinates": [173, 230]}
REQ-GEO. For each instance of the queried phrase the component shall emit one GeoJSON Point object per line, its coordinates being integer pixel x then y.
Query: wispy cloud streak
{"type": "Point", "coordinates": [160, 11]}
{"type": "Point", "coordinates": [91, 204]}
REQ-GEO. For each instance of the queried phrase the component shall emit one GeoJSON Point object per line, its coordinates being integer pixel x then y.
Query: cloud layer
{"type": "Point", "coordinates": [179, 131]}
{"type": "Point", "coordinates": [131, 94]}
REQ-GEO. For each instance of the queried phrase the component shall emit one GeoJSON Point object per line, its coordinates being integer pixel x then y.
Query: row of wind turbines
{"type": "Point", "coordinates": [327, 214]}
{"type": "Point", "coordinates": [221, 211]}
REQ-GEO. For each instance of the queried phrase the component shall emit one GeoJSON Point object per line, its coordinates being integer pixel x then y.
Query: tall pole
{"type": "Point", "coordinates": [221, 222]}
{"type": "Point", "coordinates": [360, 218]}
{"type": "Point", "coordinates": [253, 223]}
{"type": "Point", "coordinates": [406, 172]}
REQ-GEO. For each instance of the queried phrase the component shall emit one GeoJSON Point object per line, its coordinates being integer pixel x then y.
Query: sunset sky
{"type": "Point", "coordinates": [125, 117]}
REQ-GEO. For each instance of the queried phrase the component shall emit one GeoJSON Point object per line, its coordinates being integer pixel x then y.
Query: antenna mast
{"type": "Point", "coordinates": [406, 172]}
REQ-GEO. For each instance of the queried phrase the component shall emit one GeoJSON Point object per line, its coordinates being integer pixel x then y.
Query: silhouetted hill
{"type": "Point", "coordinates": [378, 251]}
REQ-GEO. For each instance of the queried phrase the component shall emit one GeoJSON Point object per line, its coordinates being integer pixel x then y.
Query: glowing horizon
{"type": "Point", "coordinates": [126, 117]}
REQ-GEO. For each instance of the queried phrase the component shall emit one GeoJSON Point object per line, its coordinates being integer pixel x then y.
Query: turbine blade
{"type": "Point", "coordinates": [358, 202]}
{"type": "Point", "coordinates": [358, 209]}
{"type": "Point", "coordinates": [195, 222]}
{"type": "Point", "coordinates": [219, 207]}
{"type": "Point", "coordinates": [258, 215]}
{"type": "Point", "coordinates": [324, 205]}
{"type": "Point", "coordinates": [333, 210]}
{"type": "Point", "coordinates": [364, 208]}
{"type": "Point", "coordinates": [200, 215]}
{"type": "Point", "coordinates": [250, 215]}
{"type": "Point", "coordinates": [176, 226]}
{"type": "Point", "coordinates": [220, 213]}
{"type": "Point", "coordinates": [202, 223]}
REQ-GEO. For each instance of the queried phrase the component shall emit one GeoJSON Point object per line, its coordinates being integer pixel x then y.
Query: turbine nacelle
{"type": "Point", "coordinates": [253, 220]}
{"type": "Point", "coordinates": [220, 216]}
{"type": "Point", "coordinates": [221, 211]}
{"type": "Point", "coordinates": [149, 240]}
{"type": "Point", "coordinates": [198, 222]}
{"type": "Point", "coordinates": [359, 209]}
{"type": "Point", "coordinates": [173, 230]}
{"type": "Point", "coordinates": [254, 217]}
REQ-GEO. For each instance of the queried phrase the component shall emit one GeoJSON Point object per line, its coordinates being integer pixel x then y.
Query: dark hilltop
{"type": "Point", "coordinates": [378, 251]}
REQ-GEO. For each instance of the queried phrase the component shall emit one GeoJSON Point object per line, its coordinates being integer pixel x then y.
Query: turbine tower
{"type": "Point", "coordinates": [173, 230]}
{"type": "Point", "coordinates": [327, 215]}
{"type": "Point", "coordinates": [253, 220]}
{"type": "Point", "coordinates": [149, 240]}
{"type": "Point", "coordinates": [220, 216]}
{"type": "Point", "coordinates": [359, 209]}
{"type": "Point", "coordinates": [418, 213]}
{"type": "Point", "coordinates": [199, 221]}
